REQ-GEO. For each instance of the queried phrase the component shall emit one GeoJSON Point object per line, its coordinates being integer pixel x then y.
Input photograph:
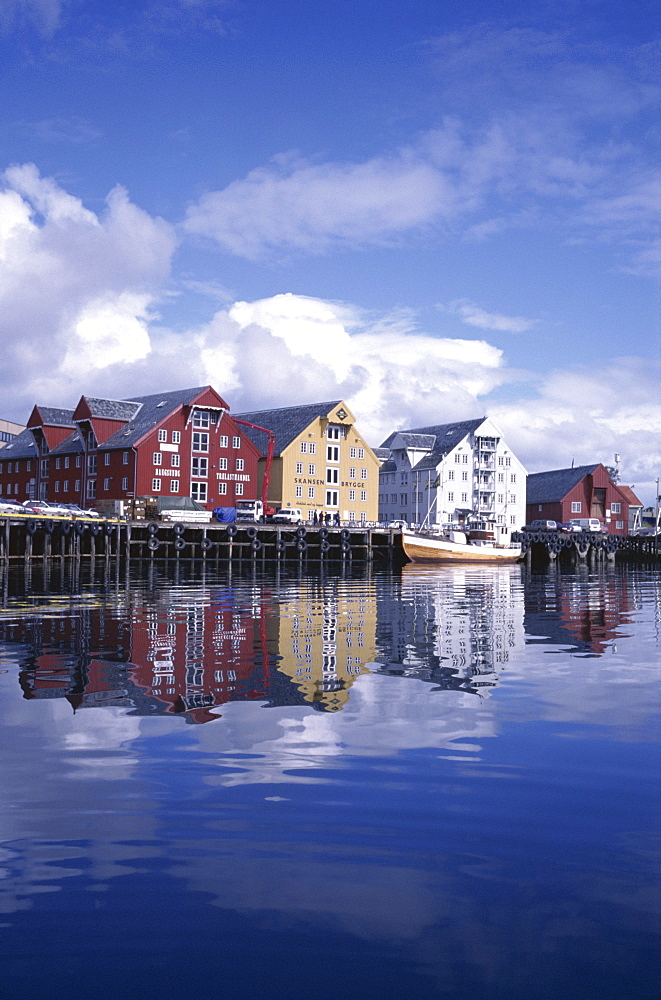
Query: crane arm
{"type": "Point", "coordinates": [270, 451]}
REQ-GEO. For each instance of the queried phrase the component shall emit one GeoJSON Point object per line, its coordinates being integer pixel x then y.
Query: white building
{"type": "Point", "coordinates": [448, 473]}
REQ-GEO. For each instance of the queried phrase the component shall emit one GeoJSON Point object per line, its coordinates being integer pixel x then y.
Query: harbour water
{"type": "Point", "coordinates": [437, 782]}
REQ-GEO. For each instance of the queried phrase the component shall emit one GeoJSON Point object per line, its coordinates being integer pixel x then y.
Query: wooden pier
{"type": "Point", "coordinates": [586, 547]}
{"type": "Point", "coordinates": [28, 539]}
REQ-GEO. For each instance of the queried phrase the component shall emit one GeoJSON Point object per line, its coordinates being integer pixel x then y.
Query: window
{"type": "Point", "coordinates": [393, 498]}
{"type": "Point", "coordinates": [513, 477]}
{"type": "Point", "coordinates": [312, 448]}
{"type": "Point", "coordinates": [125, 483]}
{"type": "Point", "coordinates": [500, 498]}
{"type": "Point", "coordinates": [176, 437]}
{"type": "Point", "coordinates": [363, 495]}
{"type": "Point", "coordinates": [304, 447]}
{"type": "Point", "coordinates": [28, 465]}
{"type": "Point", "coordinates": [361, 453]}
{"type": "Point", "coordinates": [299, 468]}
{"type": "Point", "coordinates": [65, 486]}
{"type": "Point", "coordinates": [310, 492]}
{"type": "Point", "coordinates": [352, 494]}
{"type": "Point", "coordinates": [91, 464]}
{"type": "Point", "coordinates": [576, 506]}
{"type": "Point", "coordinates": [331, 498]}
{"type": "Point", "coordinates": [91, 489]}
{"type": "Point", "coordinates": [464, 497]}
{"type": "Point", "coordinates": [174, 485]}
{"type": "Point", "coordinates": [238, 489]}
{"type": "Point", "coordinates": [125, 458]}
{"type": "Point", "coordinates": [175, 461]}
{"type": "Point", "coordinates": [79, 461]}
{"type": "Point", "coordinates": [198, 491]}
{"type": "Point", "coordinates": [162, 435]}
{"type": "Point", "coordinates": [616, 508]}
{"type": "Point", "coordinates": [450, 497]}
{"type": "Point", "coordinates": [464, 459]}
{"type": "Point", "coordinates": [333, 433]}
{"type": "Point", "coordinates": [512, 497]}
{"type": "Point", "coordinates": [158, 458]}
{"type": "Point", "coordinates": [240, 464]}
{"type": "Point", "coordinates": [76, 487]}
{"type": "Point", "coordinates": [156, 485]}
{"type": "Point", "coordinates": [10, 465]}
{"type": "Point", "coordinates": [200, 467]}
{"type": "Point", "coordinates": [44, 467]}
{"type": "Point", "coordinates": [57, 486]}
{"type": "Point", "coordinates": [57, 464]}
{"type": "Point", "coordinates": [332, 476]}
{"type": "Point", "coordinates": [404, 500]}
{"type": "Point", "coordinates": [312, 469]}
{"type": "Point", "coordinates": [299, 492]}
{"type": "Point", "coordinates": [66, 463]}
{"type": "Point", "coordinates": [200, 441]}
{"type": "Point", "coordinates": [464, 477]}
{"type": "Point", "coordinates": [352, 472]}
{"type": "Point", "coordinates": [236, 441]}
{"type": "Point", "coordinates": [619, 524]}
{"type": "Point", "coordinates": [223, 441]}
{"type": "Point", "coordinates": [507, 461]}
{"type": "Point", "coordinates": [200, 418]}
{"type": "Point", "coordinates": [352, 452]}
{"type": "Point", "coordinates": [106, 485]}
{"type": "Point", "coordinates": [403, 479]}
{"type": "Point", "coordinates": [512, 518]}
{"type": "Point", "coordinates": [222, 464]}
{"type": "Point", "coordinates": [501, 477]}
{"type": "Point", "coordinates": [457, 458]}
{"type": "Point", "coordinates": [451, 474]}
{"type": "Point", "coordinates": [332, 453]}
{"type": "Point", "coordinates": [222, 489]}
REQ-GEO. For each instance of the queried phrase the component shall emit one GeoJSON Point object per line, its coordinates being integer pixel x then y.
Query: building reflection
{"type": "Point", "coordinates": [190, 650]}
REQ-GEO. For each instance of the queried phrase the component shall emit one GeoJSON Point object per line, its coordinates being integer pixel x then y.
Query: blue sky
{"type": "Point", "coordinates": [432, 210]}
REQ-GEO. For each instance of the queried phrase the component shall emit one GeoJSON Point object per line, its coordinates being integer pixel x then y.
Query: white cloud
{"type": "Point", "coordinates": [475, 316]}
{"type": "Point", "coordinates": [78, 298]}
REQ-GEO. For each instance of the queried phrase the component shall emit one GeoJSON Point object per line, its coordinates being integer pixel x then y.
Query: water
{"type": "Point", "coordinates": [437, 783]}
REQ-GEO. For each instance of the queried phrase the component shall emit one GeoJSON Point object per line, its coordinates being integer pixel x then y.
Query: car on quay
{"type": "Point", "coordinates": [541, 526]}
{"type": "Point", "coordinates": [75, 510]}
{"type": "Point", "coordinates": [287, 515]}
{"type": "Point", "coordinates": [46, 509]}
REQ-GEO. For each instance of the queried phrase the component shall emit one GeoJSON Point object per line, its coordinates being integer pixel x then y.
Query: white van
{"type": "Point", "coordinates": [586, 523]}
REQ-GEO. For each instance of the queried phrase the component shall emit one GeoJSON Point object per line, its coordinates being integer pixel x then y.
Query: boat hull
{"type": "Point", "coordinates": [424, 548]}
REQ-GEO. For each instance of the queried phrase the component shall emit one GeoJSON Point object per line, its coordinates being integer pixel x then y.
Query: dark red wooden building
{"type": "Point", "coordinates": [585, 491]}
{"type": "Point", "coordinates": [181, 443]}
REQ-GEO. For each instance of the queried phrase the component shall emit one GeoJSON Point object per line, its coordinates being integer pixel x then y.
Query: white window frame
{"type": "Point", "coordinates": [238, 489]}
{"type": "Point", "coordinates": [176, 437]}
{"type": "Point", "coordinates": [174, 485]}
{"type": "Point", "coordinates": [200, 441]}
{"type": "Point", "coordinates": [157, 458]}
{"type": "Point", "coordinates": [576, 507]}
{"type": "Point", "coordinates": [156, 484]}
{"type": "Point", "coordinates": [236, 441]}
{"type": "Point", "coordinates": [162, 434]}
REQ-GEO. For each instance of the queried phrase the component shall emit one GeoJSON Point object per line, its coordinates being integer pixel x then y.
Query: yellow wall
{"type": "Point", "coordinates": [316, 435]}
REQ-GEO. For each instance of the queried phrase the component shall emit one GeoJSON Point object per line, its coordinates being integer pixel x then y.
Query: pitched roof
{"type": "Point", "coordinates": [55, 416]}
{"type": "Point", "coordinates": [152, 410]}
{"type": "Point", "coordinates": [440, 439]}
{"type": "Point", "coordinates": [22, 446]}
{"type": "Point", "coordinates": [112, 409]}
{"type": "Point", "coordinates": [629, 496]}
{"type": "Point", "coordinates": [286, 423]}
{"type": "Point", "coordinates": [70, 445]}
{"type": "Point", "coordinates": [547, 487]}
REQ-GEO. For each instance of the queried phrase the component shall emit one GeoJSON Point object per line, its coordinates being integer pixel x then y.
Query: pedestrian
{"type": "Point", "coordinates": [337, 519]}
{"type": "Point", "coordinates": [315, 519]}
{"type": "Point", "coordinates": [327, 519]}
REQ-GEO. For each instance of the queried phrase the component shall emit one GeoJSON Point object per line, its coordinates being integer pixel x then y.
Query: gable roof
{"type": "Point", "coordinates": [152, 410]}
{"type": "Point", "coordinates": [548, 487]}
{"type": "Point", "coordinates": [108, 409]}
{"type": "Point", "coordinates": [50, 416]}
{"type": "Point", "coordinates": [22, 446]}
{"type": "Point", "coordinates": [286, 423]}
{"type": "Point", "coordinates": [440, 439]}
{"type": "Point", "coordinates": [629, 496]}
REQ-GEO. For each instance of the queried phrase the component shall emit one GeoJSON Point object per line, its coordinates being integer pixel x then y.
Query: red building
{"type": "Point", "coordinates": [181, 443]}
{"type": "Point", "coordinates": [586, 491]}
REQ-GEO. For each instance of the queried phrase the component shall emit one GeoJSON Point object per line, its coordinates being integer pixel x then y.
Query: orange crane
{"type": "Point", "coordinates": [270, 449]}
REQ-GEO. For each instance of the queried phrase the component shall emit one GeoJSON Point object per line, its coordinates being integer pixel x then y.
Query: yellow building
{"type": "Point", "coordinates": [321, 462]}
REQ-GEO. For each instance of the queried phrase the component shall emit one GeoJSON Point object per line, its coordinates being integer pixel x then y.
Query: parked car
{"type": "Point", "coordinates": [288, 515]}
{"type": "Point", "coordinates": [398, 524]}
{"type": "Point", "coordinates": [586, 523]}
{"type": "Point", "coordinates": [541, 526]}
{"type": "Point", "coordinates": [46, 509]}
{"type": "Point", "coordinates": [76, 510]}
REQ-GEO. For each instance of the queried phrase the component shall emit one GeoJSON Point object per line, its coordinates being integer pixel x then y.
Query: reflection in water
{"type": "Point", "coordinates": [436, 782]}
